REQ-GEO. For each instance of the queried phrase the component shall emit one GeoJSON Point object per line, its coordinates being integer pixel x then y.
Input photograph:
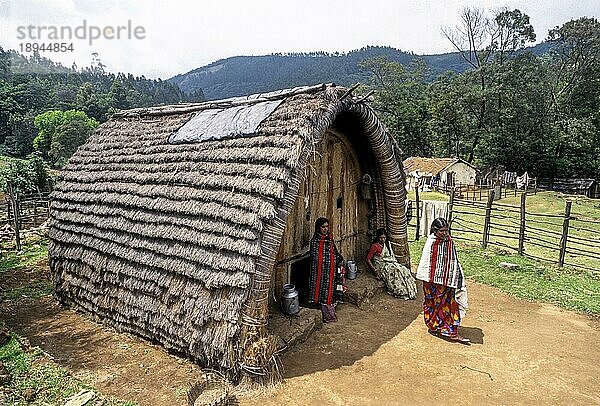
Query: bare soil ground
{"type": "Point", "coordinates": [522, 353]}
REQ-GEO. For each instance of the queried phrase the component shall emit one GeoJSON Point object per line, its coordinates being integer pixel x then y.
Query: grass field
{"type": "Point", "coordinates": [575, 286]}
{"type": "Point", "coordinates": [543, 226]}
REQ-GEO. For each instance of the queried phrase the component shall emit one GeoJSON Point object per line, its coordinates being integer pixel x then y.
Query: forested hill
{"type": "Point", "coordinates": [242, 75]}
{"type": "Point", "coordinates": [30, 86]}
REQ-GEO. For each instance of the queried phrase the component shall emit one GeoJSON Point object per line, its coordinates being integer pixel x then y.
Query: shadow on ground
{"type": "Point", "coordinates": [109, 360]}
{"type": "Point", "coordinates": [475, 334]}
{"type": "Point", "coordinates": [359, 332]}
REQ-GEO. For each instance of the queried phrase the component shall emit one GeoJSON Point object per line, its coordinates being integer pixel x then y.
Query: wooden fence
{"type": "Point", "coordinates": [480, 192]}
{"type": "Point", "coordinates": [21, 212]}
{"type": "Point", "coordinates": [570, 239]}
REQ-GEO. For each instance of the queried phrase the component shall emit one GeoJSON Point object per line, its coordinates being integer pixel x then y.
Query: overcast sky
{"type": "Point", "coordinates": [179, 35]}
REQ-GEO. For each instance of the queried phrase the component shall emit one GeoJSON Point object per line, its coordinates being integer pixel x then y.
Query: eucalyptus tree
{"type": "Point", "coordinates": [485, 42]}
{"type": "Point", "coordinates": [401, 101]}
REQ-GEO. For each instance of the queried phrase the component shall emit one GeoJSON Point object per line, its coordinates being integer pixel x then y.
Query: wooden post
{"type": "Point", "coordinates": [14, 202]}
{"type": "Point", "coordinates": [417, 209]}
{"type": "Point", "coordinates": [535, 186]}
{"type": "Point", "coordinates": [450, 208]}
{"type": "Point", "coordinates": [35, 213]}
{"type": "Point", "coordinates": [522, 224]}
{"type": "Point", "coordinates": [488, 213]}
{"type": "Point", "coordinates": [565, 234]}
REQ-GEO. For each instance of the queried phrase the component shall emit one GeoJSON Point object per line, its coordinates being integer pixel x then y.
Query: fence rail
{"type": "Point", "coordinates": [569, 239]}
{"type": "Point", "coordinates": [19, 213]}
{"type": "Point", "coordinates": [480, 192]}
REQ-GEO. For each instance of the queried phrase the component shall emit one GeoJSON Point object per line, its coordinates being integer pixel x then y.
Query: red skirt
{"type": "Point", "coordinates": [440, 309]}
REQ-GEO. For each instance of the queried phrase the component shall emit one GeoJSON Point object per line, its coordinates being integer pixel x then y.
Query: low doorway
{"type": "Point", "coordinates": [299, 277]}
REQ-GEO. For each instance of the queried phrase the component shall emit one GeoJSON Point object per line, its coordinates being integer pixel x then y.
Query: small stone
{"type": "Point", "coordinates": [29, 394]}
{"type": "Point", "coordinates": [81, 398]}
{"type": "Point", "coordinates": [4, 375]}
{"type": "Point", "coordinates": [4, 336]}
{"type": "Point", "coordinates": [508, 265]}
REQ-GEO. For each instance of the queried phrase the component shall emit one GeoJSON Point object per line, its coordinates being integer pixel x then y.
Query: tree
{"type": "Point", "coordinates": [577, 52]}
{"type": "Point", "coordinates": [26, 175]}
{"type": "Point", "coordinates": [18, 142]}
{"type": "Point", "coordinates": [401, 102]}
{"type": "Point", "coordinates": [36, 84]}
{"type": "Point", "coordinates": [483, 42]}
{"type": "Point", "coordinates": [449, 124]}
{"type": "Point", "coordinates": [512, 31]}
{"type": "Point", "coordinates": [60, 133]}
{"type": "Point", "coordinates": [90, 102]}
{"type": "Point", "coordinates": [574, 77]}
{"type": "Point", "coordinates": [118, 95]}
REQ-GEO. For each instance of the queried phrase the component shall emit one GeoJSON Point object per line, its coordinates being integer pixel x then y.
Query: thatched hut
{"type": "Point", "coordinates": [174, 223]}
{"type": "Point", "coordinates": [438, 172]}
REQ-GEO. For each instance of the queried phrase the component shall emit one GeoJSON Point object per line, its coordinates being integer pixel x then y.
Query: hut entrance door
{"type": "Point", "coordinates": [330, 189]}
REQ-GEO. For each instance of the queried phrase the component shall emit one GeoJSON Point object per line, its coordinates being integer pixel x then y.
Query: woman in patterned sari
{"type": "Point", "coordinates": [325, 284]}
{"type": "Point", "coordinates": [381, 260]}
{"type": "Point", "coordinates": [444, 289]}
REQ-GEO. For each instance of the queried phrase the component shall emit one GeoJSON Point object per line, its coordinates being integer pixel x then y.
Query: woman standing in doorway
{"type": "Point", "coordinates": [444, 289]}
{"type": "Point", "coordinates": [325, 284]}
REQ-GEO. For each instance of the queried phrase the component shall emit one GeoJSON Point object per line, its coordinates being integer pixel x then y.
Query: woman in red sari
{"type": "Point", "coordinates": [325, 284]}
{"type": "Point", "coordinates": [444, 289]}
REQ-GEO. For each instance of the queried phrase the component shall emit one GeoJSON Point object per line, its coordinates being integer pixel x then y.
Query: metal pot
{"type": "Point", "coordinates": [289, 299]}
{"type": "Point", "coordinates": [352, 271]}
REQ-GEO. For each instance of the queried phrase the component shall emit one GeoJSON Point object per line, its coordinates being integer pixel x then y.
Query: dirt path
{"type": "Point", "coordinates": [523, 353]}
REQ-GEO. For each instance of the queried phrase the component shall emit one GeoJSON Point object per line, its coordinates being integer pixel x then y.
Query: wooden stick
{"type": "Point", "coordinates": [565, 234]}
{"type": "Point", "coordinates": [14, 200]}
{"type": "Point", "coordinates": [450, 208]}
{"type": "Point", "coordinates": [365, 97]}
{"type": "Point", "coordinates": [488, 212]}
{"type": "Point", "coordinates": [237, 101]}
{"type": "Point", "coordinates": [522, 225]}
{"type": "Point", "coordinates": [417, 208]}
{"type": "Point", "coordinates": [349, 91]}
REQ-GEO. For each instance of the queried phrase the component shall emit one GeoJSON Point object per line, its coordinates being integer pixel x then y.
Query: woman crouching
{"type": "Point", "coordinates": [381, 260]}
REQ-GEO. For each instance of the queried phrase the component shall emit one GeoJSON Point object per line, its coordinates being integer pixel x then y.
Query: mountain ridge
{"type": "Point", "coordinates": [243, 75]}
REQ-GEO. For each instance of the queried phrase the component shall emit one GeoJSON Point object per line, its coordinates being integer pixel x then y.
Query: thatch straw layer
{"type": "Point", "coordinates": [176, 243]}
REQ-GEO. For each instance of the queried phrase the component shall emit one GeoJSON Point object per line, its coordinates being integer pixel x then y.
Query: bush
{"type": "Point", "coordinates": [27, 175]}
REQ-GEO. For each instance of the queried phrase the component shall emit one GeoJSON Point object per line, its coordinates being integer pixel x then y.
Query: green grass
{"type": "Point", "coordinates": [569, 289]}
{"type": "Point", "coordinates": [427, 196]}
{"type": "Point", "coordinates": [49, 383]}
{"type": "Point", "coordinates": [31, 254]}
{"type": "Point", "coordinates": [34, 290]}
{"type": "Point", "coordinates": [554, 203]}
{"type": "Point", "coordinates": [29, 257]}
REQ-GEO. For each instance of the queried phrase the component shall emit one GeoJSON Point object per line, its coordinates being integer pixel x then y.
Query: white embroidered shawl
{"type": "Point", "coordinates": [439, 263]}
